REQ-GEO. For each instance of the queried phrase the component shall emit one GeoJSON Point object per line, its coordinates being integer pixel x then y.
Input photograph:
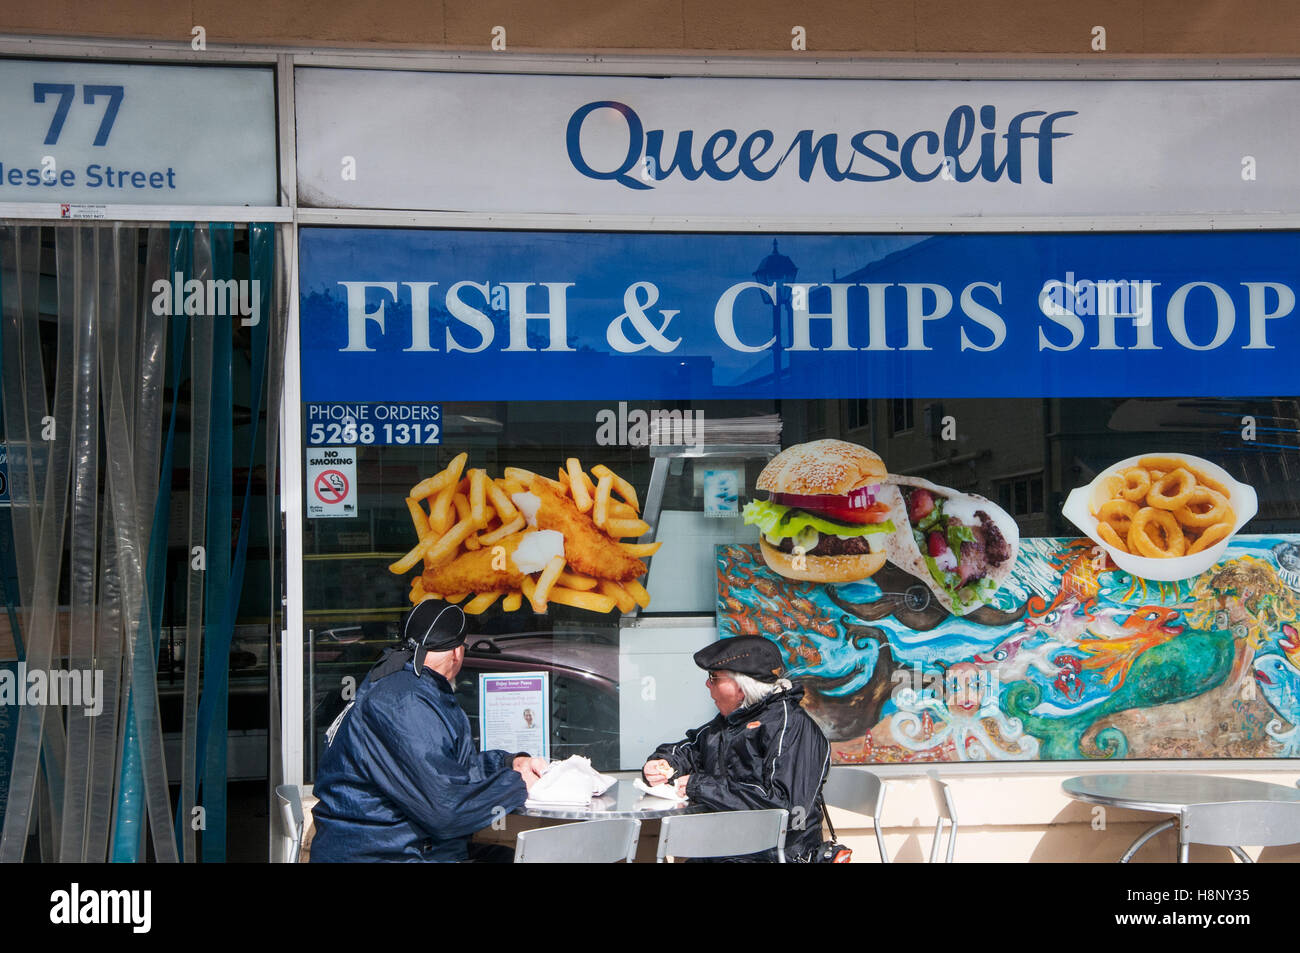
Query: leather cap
{"type": "Point", "coordinates": [750, 655]}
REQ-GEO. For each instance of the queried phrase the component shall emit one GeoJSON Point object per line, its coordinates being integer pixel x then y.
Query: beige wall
{"type": "Point", "coordinates": [909, 27]}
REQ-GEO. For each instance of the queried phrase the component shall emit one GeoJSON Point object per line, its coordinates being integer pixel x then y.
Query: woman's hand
{"type": "Point", "coordinates": [681, 785]}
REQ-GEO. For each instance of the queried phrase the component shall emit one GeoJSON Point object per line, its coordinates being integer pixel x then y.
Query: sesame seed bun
{"type": "Point", "coordinates": [822, 467]}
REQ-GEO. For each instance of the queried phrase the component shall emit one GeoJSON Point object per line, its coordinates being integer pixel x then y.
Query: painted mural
{"type": "Point", "coordinates": [1072, 659]}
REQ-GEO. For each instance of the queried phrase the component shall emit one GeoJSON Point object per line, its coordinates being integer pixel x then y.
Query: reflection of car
{"type": "Point", "coordinates": [331, 645]}
{"type": "Point", "coordinates": [583, 669]}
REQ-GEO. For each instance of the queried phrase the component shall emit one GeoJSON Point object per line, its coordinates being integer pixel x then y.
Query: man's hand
{"type": "Point", "coordinates": [681, 785]}
{"type": "Point", "coordinates": [657, 772]}
{"type": "Point", "coordinates": [530, 769]}
{"type": "Point", "coordinates": [537, 765]}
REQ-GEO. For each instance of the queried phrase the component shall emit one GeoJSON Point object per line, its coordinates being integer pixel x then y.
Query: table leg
{"type": "Point", "coordinates": [1245, 858]}
{"type": "Point", "coordinates": [1146, 836]}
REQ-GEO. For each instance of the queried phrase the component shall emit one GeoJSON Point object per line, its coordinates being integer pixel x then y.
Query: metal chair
{"type": "Point", "coordinates": [947, 812]}
{"type": "Point", "coordinates": [723, 834]}
{"type": "Point", "coordinates": [859, 791]}
{"type": "Point", "coordinates": [291, 818]}
{"type": "Point", "coordinates": [1231, 823]}
{"type": "Point", "coordinates": [591, 842]}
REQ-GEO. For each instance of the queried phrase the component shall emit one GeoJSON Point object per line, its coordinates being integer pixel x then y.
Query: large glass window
{"type": "Point", "coordinates": [960, 557]}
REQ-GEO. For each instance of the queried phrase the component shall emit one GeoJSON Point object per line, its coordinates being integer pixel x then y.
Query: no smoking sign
{"type": "Point", "coordinates": [331, 482]}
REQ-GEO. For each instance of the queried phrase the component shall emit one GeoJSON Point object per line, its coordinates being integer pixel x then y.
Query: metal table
{"type": "Point", "coordinates": [622, 800]}
{"type": "Point", "coordinates": [1169, 794]}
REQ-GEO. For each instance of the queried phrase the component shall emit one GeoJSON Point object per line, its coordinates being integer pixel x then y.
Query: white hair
{"type": "Point", "coordinates": [755, 691]}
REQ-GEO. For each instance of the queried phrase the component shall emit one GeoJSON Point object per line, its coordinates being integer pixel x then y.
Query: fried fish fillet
{"type": "Point", "coordinates": [473, 571]}
{"type": "Point", "coordinates": [587, 549]}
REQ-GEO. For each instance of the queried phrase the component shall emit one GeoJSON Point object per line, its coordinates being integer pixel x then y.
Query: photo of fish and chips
{"type": "Point", "coordinates": [525, 536]}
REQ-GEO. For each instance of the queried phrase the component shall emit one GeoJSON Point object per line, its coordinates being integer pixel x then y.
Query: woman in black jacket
{"type": "Point", "coordinates": [761, 751]}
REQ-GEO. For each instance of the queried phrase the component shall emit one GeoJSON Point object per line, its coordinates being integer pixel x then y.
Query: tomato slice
{"type": "Point", "coordinates": [835, 508]}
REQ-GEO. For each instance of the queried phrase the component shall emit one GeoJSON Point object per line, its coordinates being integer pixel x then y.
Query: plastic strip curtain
{"type": "Point", "coordinates": [106, 752]}
{"type": "Point", "coordinates": [111, 360]}
{"type": "Point", "coordinates": [200, 414]}
{"type": "Point", "coordinates": [37, 437]}
{"type": "Point", "coordinates": [261, 265]}
{"type": "Point", "coordinates": [225, 574]}
{"type": "Point", "coordinates": [82, 540]}
{"type": "Point", "coordinates": [212, 716]}
{"type": "Point", "coordinates": [132, 800]}
{"type": "Point", "coordinates": [275, 316]}
{"type": "Point", "coordinates": [129, 502]}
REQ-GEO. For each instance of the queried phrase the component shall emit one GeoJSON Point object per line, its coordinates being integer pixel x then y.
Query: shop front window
{"type": "Point", "coordinates": [959, 553]}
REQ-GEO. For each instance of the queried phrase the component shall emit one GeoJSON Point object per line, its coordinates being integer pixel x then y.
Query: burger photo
{"type": "Point", "coordinates": [823, 503]}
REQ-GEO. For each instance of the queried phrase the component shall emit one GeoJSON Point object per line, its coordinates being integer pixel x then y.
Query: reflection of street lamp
{"type": "Point", "coordinates": [778, 270]}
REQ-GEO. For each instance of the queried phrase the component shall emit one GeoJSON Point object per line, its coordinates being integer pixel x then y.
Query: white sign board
{"type": "Point", "coordinates": [832, 149]}
{"type": "Point", "coordinates": [331, 482]}
{"type": "Point", "coordinates": [514, 713]}
{"type": "Point", "coordinates": [94, 134]}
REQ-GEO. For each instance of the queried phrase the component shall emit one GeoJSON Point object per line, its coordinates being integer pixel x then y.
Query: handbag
{"type": "Point", "coordinates": [831, 851]}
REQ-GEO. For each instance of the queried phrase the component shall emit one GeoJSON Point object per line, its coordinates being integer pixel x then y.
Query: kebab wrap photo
{"type": "Point", "coordinates": [961, 545]}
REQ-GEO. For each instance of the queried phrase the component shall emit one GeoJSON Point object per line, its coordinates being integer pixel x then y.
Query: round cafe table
{"type": "Point", "coordinates": [1168, 794]}
{"type": "Point", "coordinates": [622, 800]}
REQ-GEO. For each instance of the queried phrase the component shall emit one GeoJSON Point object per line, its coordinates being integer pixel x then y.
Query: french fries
{"type": "Point", "coordinates": [514, 526]}
{"type": "Point", "coordinates": [621, 486]}
{"type": "Point", "coordinates": [445, 549]}
{"type": "Point", "coordinates": [440, 513]}
{"type": "Point", "coordinates": [457, 511]}
{"type": "Point", "coordinates": [622, 598]}
{"type": "Point", "coordinates": [618, 528]}
{"type": "Point", "coordinates": [641, 549]}
{"type": "Point", "coordinates": [478, 498]}
{"type": "Point", "coordinates": [593, 602]}
{"type": "Point", "coordinates": [578, 485]}
{"type": "Point", "coordinates": [600, 511]}
{"type": "Point", "coordinates": [544, 583]}
{"type": "Point", "coordinates": [481, 603]}
{"type": "Point", "coordinates": [525, 477]}
{"type": "Point", "coordinates": [500, 500]}
{"type": "Point", "coordinates": [638, 593]}
{"type": "Point", "coordinates": [575, 580]}
{"type": "Point", "coordinates": [418, 517]}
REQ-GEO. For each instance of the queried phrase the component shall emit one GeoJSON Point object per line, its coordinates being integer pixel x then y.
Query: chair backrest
{"type": "Point", "coordinates": [591, 842]}
{"type": "Point", "coordinates": [290, 798]}
{"type": "Point", "coordinates": [854, 789]}
{"type": "Point", "coordinates": [723, 834]}
{"type": "Point", "coordinates": [1237, 823]}
{"type": "Point", "coordinates": [947, 811]}
{"type": "Point", "coordinates": [860, 791]}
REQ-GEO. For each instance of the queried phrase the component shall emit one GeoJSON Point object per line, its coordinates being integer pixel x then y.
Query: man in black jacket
{"type": "Point", "coordinates": [762, 751]}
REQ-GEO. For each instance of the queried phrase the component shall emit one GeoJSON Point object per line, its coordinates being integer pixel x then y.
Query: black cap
{"type": "Point", "coordinates": [433, 626]}
{"type": "Point", "coordinates": [750, 655]}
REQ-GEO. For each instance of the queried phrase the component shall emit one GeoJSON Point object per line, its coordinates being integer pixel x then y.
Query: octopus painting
{"type": "Point", "coordinates": [1073, 659]}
